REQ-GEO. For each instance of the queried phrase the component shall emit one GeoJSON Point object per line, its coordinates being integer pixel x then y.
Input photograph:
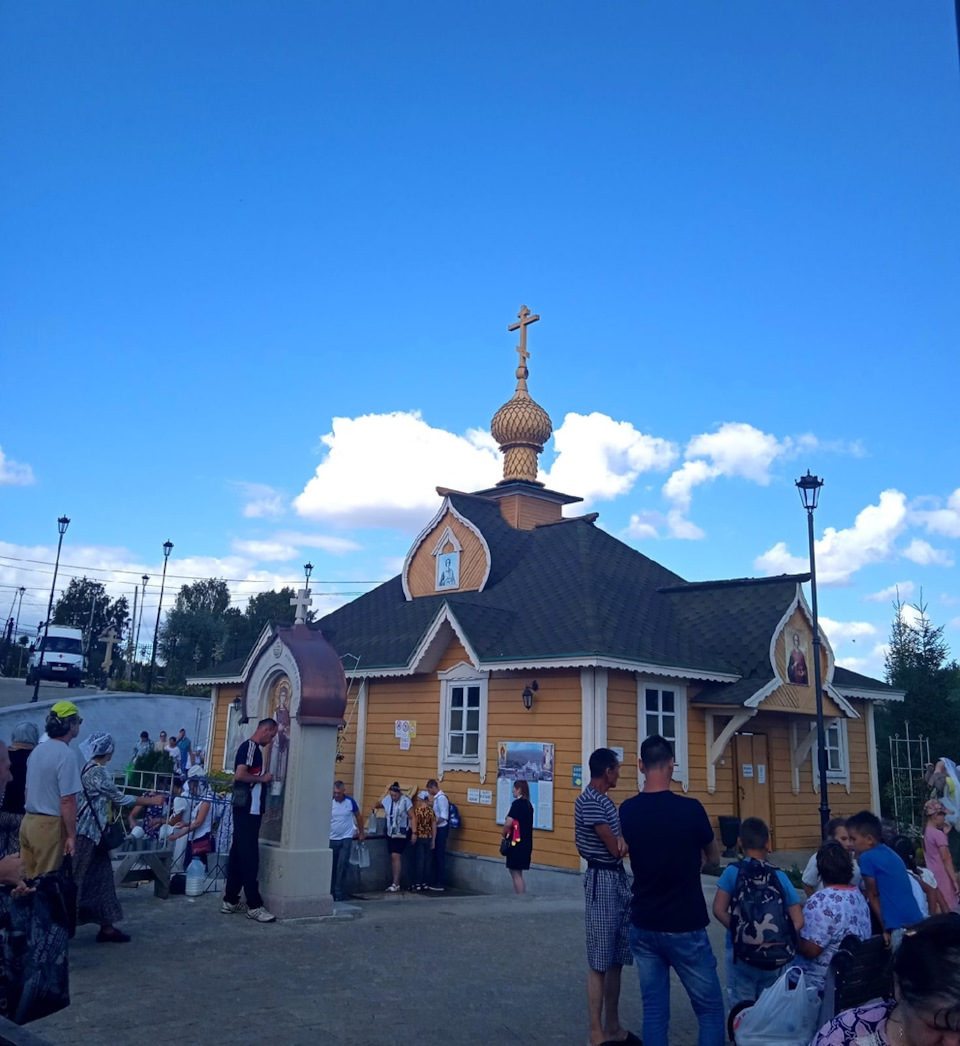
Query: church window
{"type": "Point", "coordinates": [663, 710]}
{"type": "Point", "coordinates": [835, 746]}
{"type": "Point", "coordinates": [463, 713]}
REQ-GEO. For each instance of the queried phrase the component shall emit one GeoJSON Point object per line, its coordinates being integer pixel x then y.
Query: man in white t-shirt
{"type": "Point", "coordinates": [441, 810]}
{"type": "Point", "coordinates": [345, 823]}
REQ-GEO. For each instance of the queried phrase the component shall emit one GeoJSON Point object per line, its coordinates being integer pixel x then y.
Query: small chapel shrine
{"type": "Point", "coordinates": [518, 638]}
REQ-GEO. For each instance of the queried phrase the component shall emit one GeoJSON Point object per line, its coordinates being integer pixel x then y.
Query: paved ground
{"type": "Point", "coordinates": [411, 971]}
{"type": "Point", "coordinates": [16, 692]}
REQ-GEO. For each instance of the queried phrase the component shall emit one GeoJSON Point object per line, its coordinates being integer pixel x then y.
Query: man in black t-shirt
{"type": "Point", "coordinates": [670, 839]}
{"type": "Point", "coordinates": [243, 865]}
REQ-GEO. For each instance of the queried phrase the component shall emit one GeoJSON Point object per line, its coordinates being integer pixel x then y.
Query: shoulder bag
{"type": "Point", "coordinates": [112, 834]}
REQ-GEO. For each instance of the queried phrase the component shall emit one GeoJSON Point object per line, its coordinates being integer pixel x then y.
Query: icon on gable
{"type": "Point", "coordinates": [446, 553]}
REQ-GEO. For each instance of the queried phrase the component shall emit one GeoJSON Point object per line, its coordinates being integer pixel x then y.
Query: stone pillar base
{"type": "Point", "coordinates": [295, 883]}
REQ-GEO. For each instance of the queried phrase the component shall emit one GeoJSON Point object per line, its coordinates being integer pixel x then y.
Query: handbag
{"type": "Point", "coordinates": [112, 834]}
{"type": "Point", "coordinates": [505, 845]}
{"type": "Point", "coordinates": [240, 796]}
{"type": "Point", "coordinates": [203, 845]}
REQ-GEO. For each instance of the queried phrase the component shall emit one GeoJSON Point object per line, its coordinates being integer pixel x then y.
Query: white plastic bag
{"type": "Point", "coordinates": [785, 1014]}
{"type": "Point", "coordinates": [360, 855]}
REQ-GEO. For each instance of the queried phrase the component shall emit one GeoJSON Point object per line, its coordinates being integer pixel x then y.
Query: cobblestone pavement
{"type": "Point", "coordinates": [410, 970]}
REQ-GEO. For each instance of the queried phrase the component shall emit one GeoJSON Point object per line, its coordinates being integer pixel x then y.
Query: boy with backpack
{"type": "Point", "coordinates": [758, 905]}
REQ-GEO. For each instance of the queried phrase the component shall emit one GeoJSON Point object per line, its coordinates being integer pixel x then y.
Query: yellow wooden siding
{"type": "Point", "coordinates": [422, 571]}
{"type": "Point", "coordinates": [524, 513]}
{"type": "Point", "coordinates": [622, 722]}
{"type": "Point", "coordinates": [222, 707]}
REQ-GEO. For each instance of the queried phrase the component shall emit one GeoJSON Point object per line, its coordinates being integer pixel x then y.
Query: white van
{"type": "Point", "coordinates": [63, 658]}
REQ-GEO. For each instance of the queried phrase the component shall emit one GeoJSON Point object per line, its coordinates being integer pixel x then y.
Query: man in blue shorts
{"type": "Point", "coordinates": [607, 895]}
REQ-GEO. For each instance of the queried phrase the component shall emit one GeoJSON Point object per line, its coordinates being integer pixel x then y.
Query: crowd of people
{"type": "Point", "coordinates": [855, 884]}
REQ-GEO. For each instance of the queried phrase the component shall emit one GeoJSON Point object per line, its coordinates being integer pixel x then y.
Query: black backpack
{"type": "Point", "coordinates": [761, 929]}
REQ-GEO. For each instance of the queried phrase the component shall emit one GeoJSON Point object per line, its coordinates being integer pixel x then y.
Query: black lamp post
{"type": "Point", "coordinates": [143, 599]}
{"type": "Point", "coordinates": [809, 487]}
{"type": "Point", "coordinates": [16, 627]}
{"type": "Point", "coordinates": [62, 524]}
{"type": "Point", "coordinates": [167, 548]}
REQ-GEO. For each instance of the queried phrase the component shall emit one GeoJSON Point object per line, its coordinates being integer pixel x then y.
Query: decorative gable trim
{"type": "Point", "coordinates": [799, 601]}
{"type": "Point", "coordinates": [445, 507]}
{"type": "Point", "coordinates": [434, 643]}
{"type": "Point", "coordinates": [447, 535]}
{"type": "Point", "coordinates": [862, 694]}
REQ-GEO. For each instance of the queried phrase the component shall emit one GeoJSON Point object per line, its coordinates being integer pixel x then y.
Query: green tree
{"type": "Point", "coordinates": [917, 663]}
{"type": "Point", "coordinates": [262, 608]}
{"type": "Point", "coordinates": [195, 631]}
{"type": "Point", "coordinates": [86, 605]}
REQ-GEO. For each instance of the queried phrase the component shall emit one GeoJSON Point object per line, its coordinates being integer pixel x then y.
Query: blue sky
{"type": "Point", "coordinates": [245, 243]}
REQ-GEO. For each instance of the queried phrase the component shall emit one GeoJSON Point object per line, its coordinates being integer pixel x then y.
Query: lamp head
{"type": "Point", "coordinates": [308, 569]}
{"type": "Point", "coordinates": [809, 487]}
{"type": "Point", "coordinates": [62, 523]}
{"type": "Point", "coordinates": [145, 578]}
{"type": "Point", "coordinates": [527, 695]}
{"type": "Point", "coordinates": [237, 704]}
{"type": "Point", "coordinates": [167, 549]}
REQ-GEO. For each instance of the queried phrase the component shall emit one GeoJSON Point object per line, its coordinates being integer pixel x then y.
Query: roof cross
{"type": "Point", "coordinates": [525, 320]}
{"type": "Point", "coordinates": [302, 601]}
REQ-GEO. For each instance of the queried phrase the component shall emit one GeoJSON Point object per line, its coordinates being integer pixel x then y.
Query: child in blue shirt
{"type": "Point", "coordinates": [745, 982]}
{"type": "Point", "coordinates": [886, 882]}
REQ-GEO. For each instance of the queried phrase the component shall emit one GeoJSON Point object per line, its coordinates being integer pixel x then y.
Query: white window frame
{"type": "Point", "coordinates": [681, 769]}
{"type": "Point", "coordinates": [462, 675]}
{"type": "Point", "coordinates": [841, 776]}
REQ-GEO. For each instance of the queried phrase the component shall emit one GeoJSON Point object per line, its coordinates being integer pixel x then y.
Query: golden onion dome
{"type": "Point", "coordinates": [521, 426]}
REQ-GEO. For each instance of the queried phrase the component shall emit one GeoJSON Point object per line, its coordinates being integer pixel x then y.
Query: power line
{"type": "Point", "coordinates": [177, 577]}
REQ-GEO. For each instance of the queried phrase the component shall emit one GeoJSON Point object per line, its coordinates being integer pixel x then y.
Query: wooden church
{"type": "Point", "coordinates": [518, 639]}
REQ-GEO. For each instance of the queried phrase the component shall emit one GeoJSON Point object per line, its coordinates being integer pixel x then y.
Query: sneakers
{"type": "Point", "coordinates": [435, 889]}
{"type": "Point", "coordinates": [392, 888]}
{"type": "Point", "coordinates": [261, 915]}
{"type": "Point", "coordinates": [233, 909]}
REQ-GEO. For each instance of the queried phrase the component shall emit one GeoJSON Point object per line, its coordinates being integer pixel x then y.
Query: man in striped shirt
{"type": "Point", "coordinates": [607, 895]}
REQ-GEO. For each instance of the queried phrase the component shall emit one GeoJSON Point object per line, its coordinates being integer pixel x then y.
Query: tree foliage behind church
{"type": "Point", "coordinates": [917, 662]}
{"type": "Point", "coordinates": [86, 605]}
{"type": "Point", "coordinates": [202, 629]}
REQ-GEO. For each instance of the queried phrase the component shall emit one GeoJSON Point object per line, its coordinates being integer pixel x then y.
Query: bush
{"type": "Point", "coordinates": [155, 762]}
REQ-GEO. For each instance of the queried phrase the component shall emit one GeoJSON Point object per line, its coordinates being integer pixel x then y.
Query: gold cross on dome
{"type": "Point", "coordinates": [525, 319]}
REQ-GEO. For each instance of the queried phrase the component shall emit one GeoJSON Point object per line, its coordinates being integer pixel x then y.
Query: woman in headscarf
{"type": "Point", "coordinates": [92, 870]}
{"type": "Point", "coordinates": [23, 741]}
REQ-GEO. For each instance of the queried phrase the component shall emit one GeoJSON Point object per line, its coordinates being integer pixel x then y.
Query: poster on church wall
{"type": "Point", "coordinates": [533, 762]}
{"type": "Point", "coordinates": [795, 651]}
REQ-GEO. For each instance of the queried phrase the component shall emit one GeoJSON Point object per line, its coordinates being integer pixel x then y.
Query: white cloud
{"type": "Point", "coordinates": [643, 525]}
{"type": "Point", "coordinates": [599, 458]}
{"type": "Point", "coordinates": [869, 664]}
{"type": "Point", "coordinates": [954, 622]}
{"type": "Point", "coordinates": [381, 470]}
{"type": "Point", "coordinates": [840, 632]}
{"type": "Point", "coordinates": [738, 449]}
{"type": "Point", "coordinates": [263, 501]}
{"type": "Point", "coordinates": [14, 473]}
{"type": "Point", "coordinates": [335, 545]}
{"type": "Point", "coordinates": [899, 590]}
{"type": "Point", "coordinates": [910, 615]}
{"type": "Point", "coordinates": [266, 551]}
{"type": "Point", "coordinates": [944, 521]}
{"type": "Point", "coordinates": [924, 554]}
{"type": "Point", "coordinates": [841, 553]}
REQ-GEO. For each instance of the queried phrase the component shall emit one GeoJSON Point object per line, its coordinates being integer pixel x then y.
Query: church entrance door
{"type": "Point", "coordinates": [753, 778]}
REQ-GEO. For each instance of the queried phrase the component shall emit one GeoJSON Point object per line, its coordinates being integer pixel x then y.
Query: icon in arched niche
{"type": "Point", "coordinates": [277, 759]}
{"type": "Point", "coordinates": [796, 651]}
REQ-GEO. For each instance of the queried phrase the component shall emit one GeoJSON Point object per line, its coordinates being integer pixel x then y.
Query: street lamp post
{"type": "Point", "coordinates": [62, 524]}
{"type": "Point", "coordinates": [167, 548]}
{"type": "Point", "coordinates": [16, 627]}
{"type": "Point", "coordinates": [143, 598]}
{"type": "Point", "coordinates": [809, 487]}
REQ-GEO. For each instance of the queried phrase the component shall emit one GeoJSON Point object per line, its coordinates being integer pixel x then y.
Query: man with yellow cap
{"type": "Point", "coordinates": [49, 828]}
